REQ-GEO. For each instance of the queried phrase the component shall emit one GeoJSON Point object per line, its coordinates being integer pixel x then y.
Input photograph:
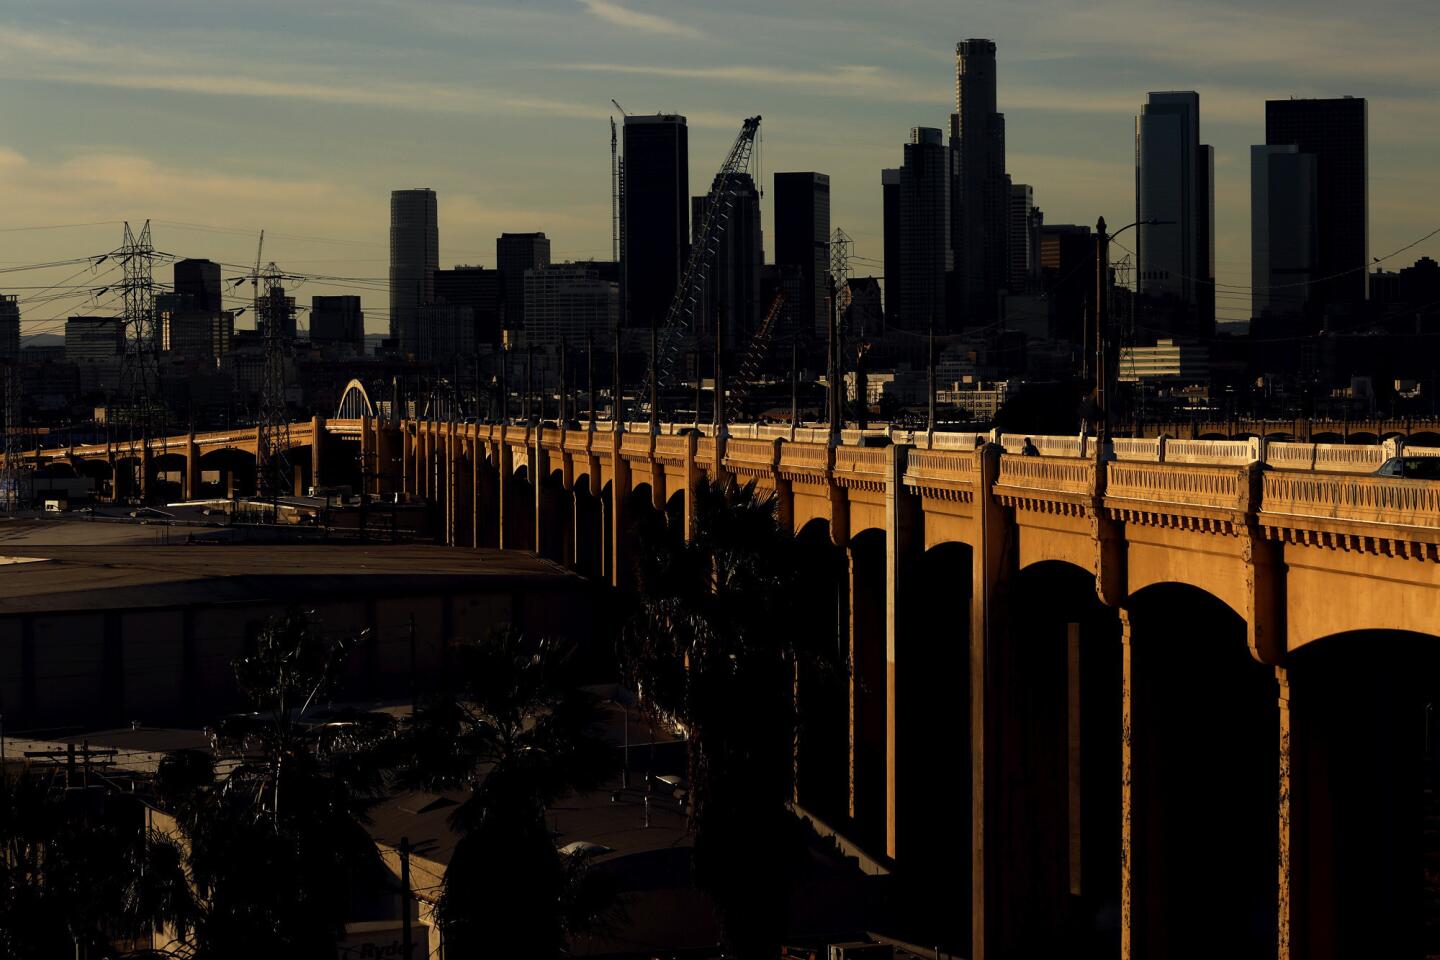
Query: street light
{"type": "Point", "coordinates": [1102, 290]}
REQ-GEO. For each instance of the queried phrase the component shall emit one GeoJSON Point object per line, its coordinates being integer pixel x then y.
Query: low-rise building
{"type": "Point", "coordinates": [1172, 361]}
{"type": "Point", "coordinates": [979, 399]}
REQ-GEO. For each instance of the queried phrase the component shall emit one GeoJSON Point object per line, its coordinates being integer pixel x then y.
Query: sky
{"type": "Point", "coordinates": [218, 119]}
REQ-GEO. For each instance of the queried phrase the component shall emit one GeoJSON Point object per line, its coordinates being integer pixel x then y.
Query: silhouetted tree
{"type": "Point", "coordinates": [272, 833]}
{"type": "Point", "coordinates": [716, 643]}
{"type": "Point", "coordinates": [512, 727]}
{"type": "Point", "coordinates": [70, 868]}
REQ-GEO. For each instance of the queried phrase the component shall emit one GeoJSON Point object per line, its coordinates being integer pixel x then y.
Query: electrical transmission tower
{"type": "Point", "coordinates": [839, 290]}
{"type": "Point", "coordinates": [703, 252]}
{"type": "Point", "coordinates": [141, 402]}
{"type": "Point", "coordinates": [274, 317]}
{"type": "Point", "coordinates": [840, 244]}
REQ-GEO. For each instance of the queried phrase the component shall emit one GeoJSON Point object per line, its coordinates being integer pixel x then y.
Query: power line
{"type": "Point", "coordinates": [1246, 288]}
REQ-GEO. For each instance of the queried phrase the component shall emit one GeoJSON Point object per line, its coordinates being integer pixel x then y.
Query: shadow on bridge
{"type": "Point", "coordinates": [1365, 820]}
{"type": "Point", "coordinates": [1204, 791]}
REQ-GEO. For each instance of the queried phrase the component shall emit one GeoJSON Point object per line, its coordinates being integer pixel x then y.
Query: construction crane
{"type": "Point", "coordinates": [754, 355]}
{"type": "Point", "coordinates": [617, 206]}
{"type": "Point", "coordinates": [615, 170]}
{"type": "Point", "coordinates": [681, 314]}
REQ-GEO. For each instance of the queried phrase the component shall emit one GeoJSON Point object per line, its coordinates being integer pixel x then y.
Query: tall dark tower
{"type": "Point", "coordinates": [514, 254]}
{"type": "Point", "coordinates": [802, 241]}
{"type": "Point", "coordinates": [1334, 132]}
{"type": "Point", "coordinates": [733, 287]}
{"type": "Point", "coordinates": [199, 280]}
{"type": "Point", "coordinates": [890, 199]}
{"type": "Point", "coordinates": [918, 293]}
{"type": "Point", "coordinates": [1174, 184]}
{"type": "Point", "coordinates": [656, 214]}
{"type": "Point", "coordinates": [980, 197]}
{"type": "Point", "coordinates": [414, 258]}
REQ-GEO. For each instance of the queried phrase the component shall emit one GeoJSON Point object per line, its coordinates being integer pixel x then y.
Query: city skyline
{"type": "Point", "coordinates": [87, 137]}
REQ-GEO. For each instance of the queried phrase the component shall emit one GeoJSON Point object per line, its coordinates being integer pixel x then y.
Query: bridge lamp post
{"type": "Point", "coordinates": [1102, 290]}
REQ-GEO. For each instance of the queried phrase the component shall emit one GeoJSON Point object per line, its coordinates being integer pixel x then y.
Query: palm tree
{"type": "Point", "coordinates": [273, 836]}
{"type": "Point", "coordinates": [716, 643]}
{"type": "Point", "coordinates": [512, 727]}
{"type": "Point", "coordinates": [64, 882]}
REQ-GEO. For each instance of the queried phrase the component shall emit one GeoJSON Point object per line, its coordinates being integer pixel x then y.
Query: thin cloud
{"type": "Point", "coordinates": [635, 20]}
{"type": "Point", "coordinates": [846, 81]}
{"type": "Point", "coordinates": [37, 56]}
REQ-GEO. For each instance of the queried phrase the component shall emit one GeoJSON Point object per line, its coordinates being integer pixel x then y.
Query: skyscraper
{"type": "Point", "coordinates": [1282, 229]}
{"type": "Point", "coordinates": [337, 322]}
{"type": "Point", "coordinates": [980, 195]}
{"type": "Point", "coordinates": [1174, 177]}
{"type": "Point", "coordinates": [655, 215]}
{"type": "Point", "coordinates": [199, 280]}
{"type": "Point", "coordinates": [414, 258]}
{"type": "Point", "coordinates": [1334, 132]}
{"type": "Point", "coordinates": [802, 239]}
{"type": "Point", "coordinates": [732, 288]}
{"type": "Point", "coordinates": [514, 254]}
{"type": "Point", "coordinates": [926, 258]}
{"type": "Point", "coordinates": [890, 199]}
{"type": "Point", "coordinates": [482, 291]}
{"type": "Point", "coordinates": [1024, 241]}
{"type": "Point", "coordinates": [1067, 275]}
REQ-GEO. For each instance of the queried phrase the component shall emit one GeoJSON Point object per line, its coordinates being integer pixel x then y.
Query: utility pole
{"type": "Point", "coordinates": [719, 372]}
{"type": "Point", "coordinates": [617, 391]}
{"type": "Point", "coordinates": [505, 384]}
{"type": "Point", "coordinates": [699, 381]}
{"type": "Point", "coordinates": [830, 367]}
{"type": "Point", "coordinates": [529, 382]}
{"type": "Point", "coordinates": [654, 378]}
{"type": "Point", "coordinates": [794, 382]}
{"type": "Point", "coordinates": [405, 933]}
{"type": "Point", "coordinates": [1102, 365]}
{"type": "Point", "coordinates": [564, 416]}
{"type": "Point", "coordinates": [590, 373]}
{"type": "Point", "coordinates": [930, 371]}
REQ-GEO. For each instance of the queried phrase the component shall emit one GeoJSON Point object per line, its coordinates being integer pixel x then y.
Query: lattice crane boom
{"type": "Point", "coordinates": [754, 355]}
{"type": "Point", "coordinates": [681, 313]}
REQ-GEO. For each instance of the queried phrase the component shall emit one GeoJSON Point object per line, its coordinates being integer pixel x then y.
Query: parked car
{"type": "Point", "coordinates": [1414, 468]}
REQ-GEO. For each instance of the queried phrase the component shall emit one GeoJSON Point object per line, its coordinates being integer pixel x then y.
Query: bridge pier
{"type": "Point", "coordinates": [866, 597]}
{"type": "Point", "coordinates": [505, 466]}
{"type": "Point", "coordinates": [192, 468]}
{"type": "Point", "coordinates": [618, 526]}
{"type": "Point", "coordinates": [539, 479]}
{"type": "Point", "coordinates": [317, 444]}
{"type": "Point", "coordinates": [145, 471]}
